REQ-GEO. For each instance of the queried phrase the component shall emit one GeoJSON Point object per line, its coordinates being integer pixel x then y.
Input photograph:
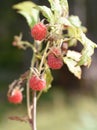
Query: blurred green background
{"type": "Point", "coordinates": [71, 103]}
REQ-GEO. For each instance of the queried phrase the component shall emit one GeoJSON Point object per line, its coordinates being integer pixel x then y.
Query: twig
{"type": "Point", "coordinates": [16, 118]}
{"type": "Point", "coordinates": [34, 111]}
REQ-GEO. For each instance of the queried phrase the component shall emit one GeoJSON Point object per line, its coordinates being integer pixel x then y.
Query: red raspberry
{"type": "Point", "coordinates": [39, 31]}
{"type": "Point", "coordinates": [37, 83]}
{"type": "Point", "coordinates": [15, 97]}
{"type": "Point", "coordinates": [54, 59]}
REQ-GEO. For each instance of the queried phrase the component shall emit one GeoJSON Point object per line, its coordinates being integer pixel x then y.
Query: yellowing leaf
{"type": "Point", "coordinates": [88, 45]}
{"type": "Point", "coordinates": [31, 18]}
{"type": "Point", "coordinates": [27, 9]}
{"type": "Point", "coordinates": [55, 6]}
{"type": "Point", "coordinates": [46, 13]}
{"type": "Point", "coordinates": [26, 6]}
{"type": "Point", "coordinates": [60, 7]}
{"type": "Point", "coordinates": [72, 42]}
{"type": "Point", "coordinates": [71, 64]}
{"type": "Point", "coordinates": [75, 21]}
{"type": "Point", "coordinates": [74, 55]}
{"type": "Point", "coordinates": [64, 6]}
{"type": "Point", "coordinates": [64, 21]}
{"type": "Point", "coordinates": [87, 51]}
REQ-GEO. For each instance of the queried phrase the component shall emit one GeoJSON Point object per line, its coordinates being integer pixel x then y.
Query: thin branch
{"type": "Point", "coordinates": [28, 89]}
{"type": "Point", "coordinates": [17, 118]}
{"type": "Point", "coordinates": [44, 56]}
{"type": "Point", "coordinates": [34, 111]}
{"type": "Point", "coordinates": [28, 100]}
{"type": "Point", "coordinates": [39, 94]}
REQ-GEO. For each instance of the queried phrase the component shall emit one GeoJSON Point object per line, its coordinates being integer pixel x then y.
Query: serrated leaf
{"type": "Point", "coordinates": [25, 6]}
{"type": "Point", "coordinates": [71, 64]}
{"type": "Point", "coordinates": [56, 8]}
{"type": "Point", "coordinates": [87, 51]}
{"type": "Point", "coordinates": [64, 21]}
{"type": "Point", "coordinates": [75, 21]}
{"type": "Point", "coordinates": [85, 58]}
{"type": "Point", "coordinates": [73, 55]}
{"type": "Point", "coordinates": [46, 13]}
{"type": "Point", "coordinates": [88, 45]}
{"type": "Point", "coordinates": [64, 6]}
{"type": "Point", "coordinates": [60, 7]}
{"type": "Point", "coordinates": [73, 32]}
{"type": "Point", "coordinates": [49, 78]}
{"type": "Point", "coordinates": [32, 19]}
{"type": "Point", "coordinates": [27, 9]}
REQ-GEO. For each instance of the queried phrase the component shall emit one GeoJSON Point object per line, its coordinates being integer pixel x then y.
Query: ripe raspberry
{"type": "Point", "coordinates": [54, 59]}
{"type": "Point", "coordinates": [15, 97]}
{"type": "Point", "coordinates": [39, 31]}
{"type": "Point", "coordinates": [37, 83]}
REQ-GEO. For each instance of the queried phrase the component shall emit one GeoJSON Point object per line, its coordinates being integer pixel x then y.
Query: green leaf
{"type": "Point", "coordinates": [55, 5]}
{"type": "Point", "coordinates": [32, 19]}
{"type": "Point", "coordinates": [86, 56]}
{"type": "Point", "coordinates": [26, 6]}
{"type": "Point", "coordinates": [64, 21]}
{"type": "Point", "coordinates": [27, 9]}
{"type": "Point", "coordinates": [56, 8]}
{"type": "Point", "coordinates": [46, 13]}
{"type": "Point", "coordinates": [64, 6]}
{"type": "Point", "coordinates": [60, 7]}
{"type": "Point", "coordinates": [49, 78]}
{"type": "Point", "coordinates": [73, 32]}
{"type": "Point", "coordinates": [73, 55]}
{"type": "Point", "coordinates": [73, 67]}
{"type": "Point", "coordinates": [72, 42]}
{"type": "Point", "coordinates": [88, 45]}
{"type": "Point", "coordinates": [75, 21]}
{"type": "Point", "coordinates": [87, 51]}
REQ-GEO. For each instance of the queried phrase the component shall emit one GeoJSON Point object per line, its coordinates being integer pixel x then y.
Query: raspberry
{"type": "Point", "coordinates": [56, 51]}
{"type": "Point", "coordinates": [54, 59]}
{"type": "Point", "coordinates": [37, 83]}
{"type": "Point", "coordinates": [39, 31]}
{"type": "Point", "coordinates": [15, 97]}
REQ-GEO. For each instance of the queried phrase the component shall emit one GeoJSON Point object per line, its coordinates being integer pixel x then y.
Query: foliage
{"type": "Point", "coordinates": [57, 21]}
{"type": "Point", "coordinates": [59, 17]}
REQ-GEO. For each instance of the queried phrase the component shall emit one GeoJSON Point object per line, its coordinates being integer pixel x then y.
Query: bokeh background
{"type": "Point", "coordinates": [71, 104]}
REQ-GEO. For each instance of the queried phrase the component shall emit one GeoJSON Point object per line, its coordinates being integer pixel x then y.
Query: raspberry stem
{"type": "Point", "coordinates": [34, 111]}
{"type": "Point", "coordinates": [28, 99]}
{"type": "Point", "coordinates": [29, 108]}
{"type": "Point", "coordinates": [44, 56]}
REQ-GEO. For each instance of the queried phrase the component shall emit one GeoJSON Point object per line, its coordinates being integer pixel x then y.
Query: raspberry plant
{"type": "Point", "coordinates": [53, 36]}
